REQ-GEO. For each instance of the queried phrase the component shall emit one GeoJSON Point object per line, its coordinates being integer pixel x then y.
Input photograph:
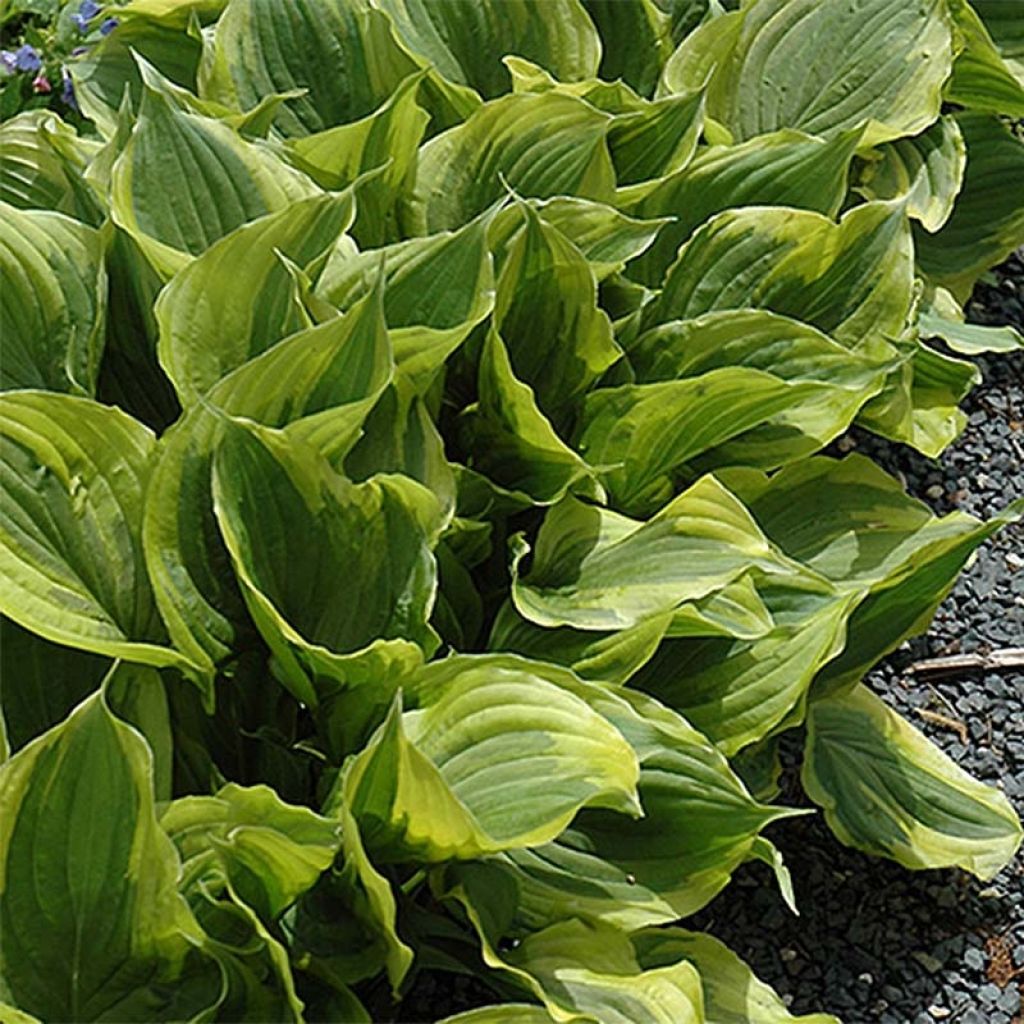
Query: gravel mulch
{"type": "Point", "coordinates": [875, 942]}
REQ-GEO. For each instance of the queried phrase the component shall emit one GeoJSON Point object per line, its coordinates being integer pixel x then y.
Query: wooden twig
{"type": "Point", "coordinates": [946, 722]}
{"type": "Point", "coordinates": [997, 661]}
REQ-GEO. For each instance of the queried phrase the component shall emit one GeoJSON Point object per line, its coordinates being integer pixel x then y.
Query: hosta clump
{"type": "Point", "coordinates": [416, 536]}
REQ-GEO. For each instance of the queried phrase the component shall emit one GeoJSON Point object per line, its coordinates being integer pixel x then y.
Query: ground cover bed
{"type": "Point", "coordinates": [479, 478]}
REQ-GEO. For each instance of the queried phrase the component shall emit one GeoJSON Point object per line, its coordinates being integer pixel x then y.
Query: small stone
{"type": "Point", "coordinates": [935, 492]}
{"type": "Point", "coordinates": [846, 444]}
{"type": "Point", "coordinates": [866, 978]}
{"type": "Point", "coordinates": [975, 959]}
{"type": "Point", "coordinates": [787, 954]}
{"type": "Point", "coordinates": [938, 1012]}
{"type": "Point", "coordinates": [1009, 1001]}
{"type": "Point", "coordinates": [1014, 561]}
{"type": "Point", "coordinates": [988, 994]}
{"type": "Point", "coordinates": [930, 963]}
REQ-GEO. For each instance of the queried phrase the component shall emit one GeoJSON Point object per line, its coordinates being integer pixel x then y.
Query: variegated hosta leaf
{"type": "Point", "coordinates": [546, 279]}
{"type": "Point", "coordinates": [42, 161]}
{"type": "Point", "coordinates": [92, 923]}
{"type": "Point", "coordinates": [437, 289]}
{"type": "Point", "coordinates": [503, 1013]}
{"type": "Point", "coordinates": [510, 441]}
{"type": "Point", "coordinates": [539, 145]}
{"type": "Point", "coordinates": [595, 569]}
{"type": "Point", "coordinates": [231, 181]}
{"type": "Point", "coordinates": [53, 301]}
{"type": "Point", "coordinates": [852, 280]}
{"type": "Point", "coordinates": [580, 971]}
{"type": "Point", "coordinates": [238, 299]}
{"type": "Point", "coordinates": [466, 42]}
{"type": "Point", "coordinates": [270, 851]}
{"type": "Point", "coordinates": [889, 790]}
{"type": "Point", "coordinates": [787, 349]}
{"type": "Point", "coordinates": [768, 81]}
{"type": "Point", "coordinates": [74, 477]}
{"type": "Point", "coordinates": [784, 168]}
{"type": "Point", "coordinates": [323, 382]}
{"type": "Point", "coordinates": [733, 994]}
{"type": "Point", "coordinates": [941, 316]}
{"type": "Point", "coordinates": [987, 222]}
{"type": "Point", "coordinates": [306, 545]}
{"type": "Point", "coordinates": [928, 169]}
{"type": "Point", "coordinates": [649, 32]}
{"type": "Point", "coordinates": [494, 758]}
{"type": "Point", "coordinates": [982, 79]}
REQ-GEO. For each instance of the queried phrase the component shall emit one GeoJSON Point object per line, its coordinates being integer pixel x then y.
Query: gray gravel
{"type": "Point", "coordinates": [875, 942]}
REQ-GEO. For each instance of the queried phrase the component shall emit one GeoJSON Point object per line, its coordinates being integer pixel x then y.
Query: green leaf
{"type": "Point", "coordinates": [41, 682]}
{"type": "Point", "coordinates": [41, 165]}
{"type": "Point", "coordinates": [53, 302]}
{"type": "Point", "coordinates": [231, 181]}
{"type": "Point", "coordinates": [546, 279]}
{"type": "Point", "coordinates": [437, 289]}
{"type": "Point", "coordinates": [74, 476]}
{"type": "Point", "coordinates": [733, 994]}
{"type": "Point", "coordinates": [509, 440]}
{"type": "Point", "coordinates": [595, 569]}
{"type": "Point", "coordinates": [784, 168]}
{"type": "Point", "coordinates": [541, 145]}
{"type": "Point", "coordinates": [928, 169]}
{"type": "Point", "coordinates": [851, 280]}
{"type": "Point", "coordinates": [270, 851]}
{"type": "Point", "coordinates": [506, 1013]}
{"type": "Point", "coordinates": [472, 770]}
{"type": "Point", "coordinates": [650, 41]}
{"type": "Point", "coordinates": [787, 349]}
{"type": "Point", "coordinates": [941, 316]}
{"type": "Point", "coordinates": [319, 591]}
{"type": "Point", "coordinates": [93, 926]}
{"type": "Point", "coordinates": [466, 42]}
{"type": "Point", "coordinates": [343, 56]}
{"type": "Point", "coordinates": [391, 135]}
{"type": "Point", "coordinates": [981, 79]}
{"type": "Point", "coordinates": [649, 432]}
{"type": "Point", "coordinates": [323, 382]}
{"type": "Point", "coordinates": [237, 299]}
{"type": "Point", "coordinates": [988, 219]}
{"type": "Point", "coordinates": [813, 65]}
{"type": "Point", "coordinates": [888, 790]}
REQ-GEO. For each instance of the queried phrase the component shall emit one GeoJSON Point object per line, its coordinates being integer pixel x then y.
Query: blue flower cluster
{"type": "Point", "coordinates": [25, 58]}
{"type": "Point", "coordinates": [89, 10]}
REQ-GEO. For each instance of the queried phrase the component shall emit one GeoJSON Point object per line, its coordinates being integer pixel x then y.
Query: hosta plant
{"type": "Point", "coordinates": [415, 533]}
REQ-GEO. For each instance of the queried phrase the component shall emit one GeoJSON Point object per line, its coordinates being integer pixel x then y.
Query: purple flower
{"type": "Point", "coordinates": [68, 92]}
{"type": "Point", "coordinates": [8, 62]}
{"type": "Point", "coordinates": [27, 59]}
{"type": "Point", "coordinates": [108, 25]}
{"type": "Point", "coordinates": [87, 10]}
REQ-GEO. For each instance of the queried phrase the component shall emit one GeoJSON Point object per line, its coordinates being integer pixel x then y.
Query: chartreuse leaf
{"type": "Point", "coordinates": [437, 289]}
{"type": "Point", "coordinates": [940, 316]}
{"type": "Point", "coordinates": [787, 349]}
{"type": "Point", "coordinates": [391, 135]}
{"type": "Point", "coordinates": [783, 168]}
{"type": "Point", "coordinates": [541, 145]}
{"type": "Point", "coordinates": [928, 169]}
{"type": "Point", "coordinates": [867, 537]}
{"type": "Point", "coordinates": [504, 1013]}
{"type": "Point", "coordinates": [270, 851]}
{"type": "Point", "coordinates": [890, 791]}
{"type": "Point", "coordinates": [611, 97]}
{"type": "Point", "coordinates": [580, 970]}
{"type": "Point", "coordinates": [323, 381]}
{"type": "Point", "coordinates": [546, 280]}
{"type": "Point", "coordinates": [343, 56]}
{"type": "Point", "coordinates": [306, 545]}
{"type": "Point", "coordinates": [595, 569]}
{"type": "Point", "coordinates": [494, 758]}
{"type": "Point", "coordinates": [509, 440]}
{"type": "Point", "coordinates": [93, 926]}
{"type": "Point", "coordinates": [768, 81]}
{"type": "Point", "coordinates": [737, 691]}
{"type": "Point", "coordinates": [658, 867]}
{"type": "Point", "coordinates": [649, 32]}
{"type": "Point", "coordinates": [988, 218]}
{"type": "Point", "coordinates": [237, 299]}
{"type": "Point", "coordinates": [981, 79]}
{"type": "Point", "coordinates": [42, 161]}
{"type": "Point", "coordinates": [733, 994]}
{"type": "Point", "coordinates": [851, 280]}
{"type": "Point", "coordinates": [649, 432]}
{"type": "Point", "coordinates": [74, 476]}
{"type": "Point", "coordinates": [231, 181]}
{"type": "Point", "coordinates": [110, 67]}
{"type": "Point", "coordinates": [701, 51]}
{"type": "Point", "coordinates": [53, 301]}
{"type": "Point", "coordinates": [466, 42]}
{"type": "Point", "coordinates": [40, 682]}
